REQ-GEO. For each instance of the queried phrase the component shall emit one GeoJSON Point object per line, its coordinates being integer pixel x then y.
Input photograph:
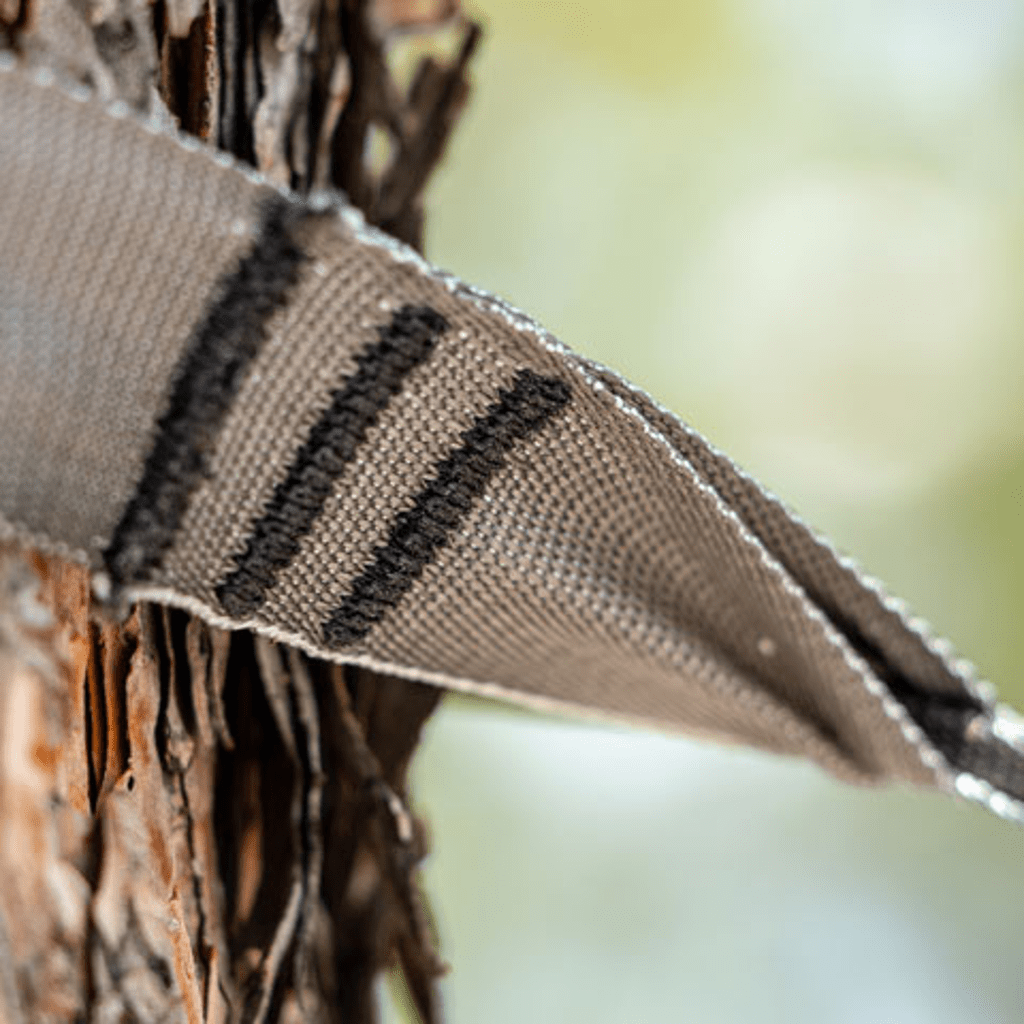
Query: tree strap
{"type": "Point", "coordinates": [227, 398]}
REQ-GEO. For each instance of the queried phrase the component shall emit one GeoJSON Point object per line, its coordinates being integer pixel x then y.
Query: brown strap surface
{"type": "Point", "coordinates": [254, 407]}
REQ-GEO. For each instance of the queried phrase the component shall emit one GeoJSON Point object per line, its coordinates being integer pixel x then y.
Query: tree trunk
{"type": "Point", "coordinates": [196, 825]}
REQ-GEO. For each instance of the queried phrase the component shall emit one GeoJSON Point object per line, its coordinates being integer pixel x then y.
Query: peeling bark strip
{"type": "Point", "coordinates": [211, 369]}
{"type": "Point", "coordinates": [382, 368]}
{"type": "Point", "coordinates": [440, 508]}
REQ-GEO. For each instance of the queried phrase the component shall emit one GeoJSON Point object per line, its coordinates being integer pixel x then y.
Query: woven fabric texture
{"type": "Point", "coordinates": [391, 468]}
{"type": "Point", "coordinates": [111, 250]}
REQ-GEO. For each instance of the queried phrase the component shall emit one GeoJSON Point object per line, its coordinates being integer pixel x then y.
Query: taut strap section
{"type": "Point", "coordinates": [250, 405]}
{"type": "Point", "coordinates": [332, 444]}
{"type": "Point", "coordinates": [209, 373]}
{"type": "Point", "coordinates": [421, 532]}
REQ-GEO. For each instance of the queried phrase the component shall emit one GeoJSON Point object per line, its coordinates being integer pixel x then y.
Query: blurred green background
{"type": "Point", "coordinates": [799, 223]}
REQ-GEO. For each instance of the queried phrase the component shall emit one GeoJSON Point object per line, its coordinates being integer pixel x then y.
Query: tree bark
{"type": "Point", "coordinates": [197, 825]}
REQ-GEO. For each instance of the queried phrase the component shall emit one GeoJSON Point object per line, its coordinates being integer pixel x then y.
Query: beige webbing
{"type": "Point", "coordinates": [251, 406]}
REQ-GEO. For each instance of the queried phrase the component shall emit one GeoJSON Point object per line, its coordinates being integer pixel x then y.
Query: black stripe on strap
{"type": "Point", "coordinates": [298, 500]}
{"type": "Point", "coordinates": [956, 722]}
{"type": "Point", "coordinates": [206, 379]}
{"type": "Point", "coordinates": [440, 508]}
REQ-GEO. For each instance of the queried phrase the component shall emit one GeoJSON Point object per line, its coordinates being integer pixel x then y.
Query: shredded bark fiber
{"type": "Point", "coordinates": [197, 825]}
